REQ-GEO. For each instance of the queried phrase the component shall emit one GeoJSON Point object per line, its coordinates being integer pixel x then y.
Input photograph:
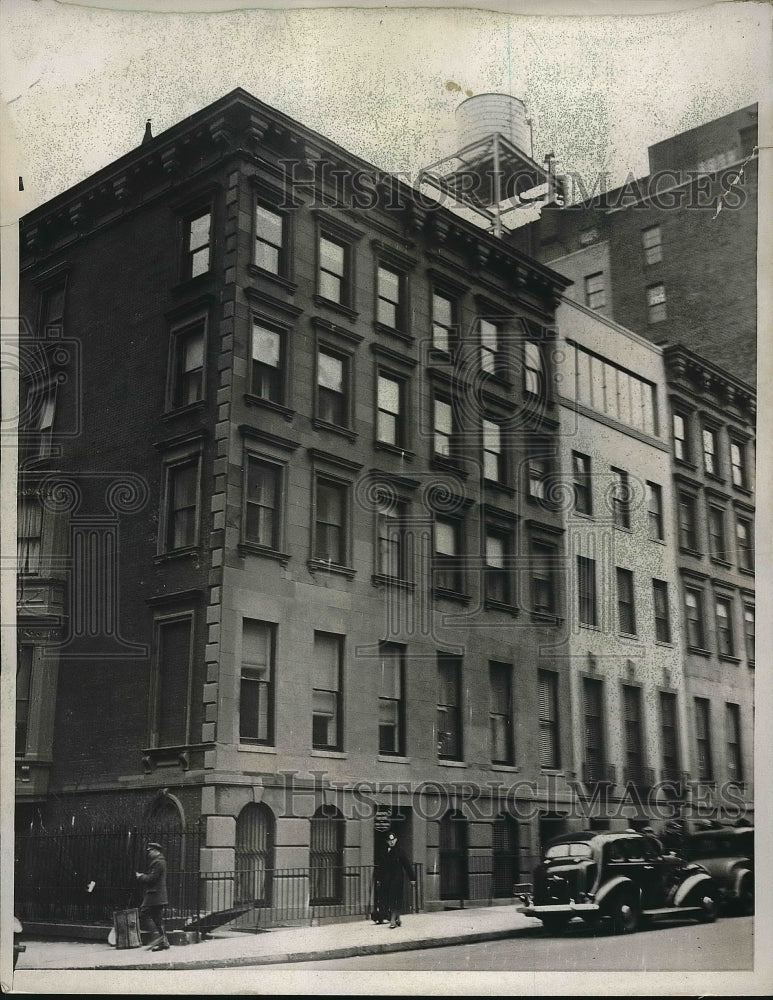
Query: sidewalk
{"type": "Point", "coordinates": [231, 949]}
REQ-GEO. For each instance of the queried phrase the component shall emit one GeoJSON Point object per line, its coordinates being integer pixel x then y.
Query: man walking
{"type": "Point", "coordinates": [154, 899]}
{"type": "Point", "coordinates": [389, 879]}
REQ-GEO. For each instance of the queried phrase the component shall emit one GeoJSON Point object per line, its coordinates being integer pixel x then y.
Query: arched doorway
{"type": "Point", "coordinates": [505, 856]}
{"type": "Point", "coordinates": [254, 854]}
{"type": "Point", "coordinates": [453, 856]}
{"type": "Point", "coordinates": [326, 856]}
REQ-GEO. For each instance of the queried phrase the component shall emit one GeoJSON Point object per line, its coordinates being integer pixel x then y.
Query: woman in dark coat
{"type": "Point", "coordinates": [390, 888]}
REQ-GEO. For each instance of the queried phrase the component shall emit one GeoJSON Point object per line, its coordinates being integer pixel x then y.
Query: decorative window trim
{"type": "Point", "coordinates": [177, 330]}
{"type": "Point", "coordinates": [346, 354]}
{"type": "Point", "coordinates": [159, 620]}
{"type": "Point", "coordinates": [284, 332]}
{"type": "Point", "coordinates": [248, 544]}
{"type": "Point", "coordinates": [180, 451]}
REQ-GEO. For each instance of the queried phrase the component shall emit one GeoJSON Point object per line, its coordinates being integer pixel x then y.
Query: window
{"type": "Point", "coordinates": [655, 511]}
{"type": "Point", "coordinates": [693, 603]}
{"type": "Point", "coordinates": [173, 681]}
{"type": "Point", "coordinates": [391, 739]}
{"type": "Point", "coordinates": [539, 469]}
{"type": "Point", "coordinates": [443, 427]}
{"type": "Point", "coordinates": [710, 463]}
{"type": "Point", "coordinates": [748, 631]}
{"type": "Point", "coordinates": [613, 391]}
{"type": "Point", "coordinates": [652, 244]}
{"type": "Point", "coordinates": [270, 238]}
{"type": "Point", "coordinates": [447, 566]}
{"type": "Point", "coordinates": [534, 369]}
{"type": "Point", "coordinates": [23, 684]}
{"type": "Point", "coordinates": [42, 412]}
{"type": "Point", "coordinates": [586, 591]}
{"type": "Point", "coordinates": [718, 545]}
{"type": "Point", "coordinates": [390, 297]}
{"type": "Point", "coordinates": [332, 388]}
{"type": "Point", "coordinates": [583, 495]}
{"type": "Point", "coordinates": [549, 751]}
{"type": "Point", "coordinates": [688, 524]}
{"type": "Point", "coordinates": [656, 303]}
{"type": "Point", "coordinates": [330, 542]}
{"type": "Point", "coordinates": [197, 244]}
{"type": "Point", "coordinates": [392, 542]}
{"type": "Point", "coordinates": [626, 610]}
{"type": "Point", "coordinates": [182, 499]}
{"type": "Point", "coordinates": [703, 739]}
{"type": "Point", "coordinates": [390, 403]}
{"type": "Point", "coordinates": [493, 455]}
{"type": "Point", "coordinates": [497, 574]}
{"type": "Point", "coordinates": [334, 266]}
{"type": "Point", "coordinates": [632, 730]}
{"type": "Point", "coordinates": [595, 294]}
{"type": "Point", "coordinates": [52, 309]}
{"type": "Point", "coordinates": [29, 532]}
{"type": "Point", "coordinates": [262, 503]}
{"type": "Point", "coordinates": [738, 464]}
{"type": "Point", "coordinates": [662, 613]}
{"type": "Point", "coordinates": [669, 739]}
{"type": "Point", "coordinates": [489, 345]}
{"type": "Point", "coordinates": [256, 722]}
{"type": "Point", "coordinates": [681, 441]}
{"type": "Point", "coordinates": [621, 499]}
{"type": "Point", "coordinates": [543, 584]}
{"type": "Point", "coordinates": [733, 737]}
{"type": "Point", "coordinates": [443, 322]}
{"type": "Point", "coordinates": [188, 364]}
{"type": "Point", "coordinates": [254, 855]}
{"type": "Point", "coordinates": [449, 715]}
{"type": "Point", "coordinates": [326, 856]}
{"type": "Point", "coordinates": [500, 713]}
{"type": "Point", "coordinates": [267, 378]}
{"type": "Point", "coordinates": [594, 760]}
{"type": "Point", "coordinates": [326, 720]}
{"type": "Point", "coordinates": [724, 617]}
{"type": "Point", "coordinates": [744, 543]}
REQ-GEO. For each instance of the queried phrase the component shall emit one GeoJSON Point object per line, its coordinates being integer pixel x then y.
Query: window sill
{"type": "Point", "coordinates": [506, 768]}
{"type": "Point", "coordinates": [492, 380]}
{"type": "Point", "coordinates": [442, 762]}
{"type": "Point", "coordinates": [545, 618]}
{"type": "Point", "coordinates": [278, 279]}
{"type": "Point", "coordinates": [698, 651]}
{"type": "Point", "coordinates": [323, 425]}
{"type": "Point", "coordinates": [381, 580]}
{"type": "Point", "coordinates": [665, 643]}
{"type": "Point", "coordinates": [492, 605]}
{"type": "Point", "coordinates": [720, 562]}
{"type": "Point", "coordinates": [392, 331]}
{"type": "Point", "coordinates": [499, 487]}
{"type": "Point", "coordinates": [624, 527]}
{"type": "Point", "coordinates": [743, 489]}
{"type": "Point", "coordinates": [628, 635]}
{"type": "Point", "coordinates": [729, 658]}
{"type": "Point", "coordinates": [388, 758]}
{"type": "Point", "coordinates": [658, 541]}
{"type": "Point", "coordinates": [584, 515]}
{"type": "Point", "coordinates": [269, 404]}
{"type": "Point", "coordinates": [557, 772]}
{"type": "Point", "coordinates": [685, 463]}
{"type": "Point", "coordinates": [690, 552]}
{"type": "Point", "coordinates": [251, 548]}
{"type": "Point", "coordinates": [192, 284]}
{"type": "Point", "coordinates": [179, 411]}
{"type": "Point", "coordinates": [589, 627]}
{"type": "Point", "coordinates": [331, 754]}
{"type": "Point", "coordinates": [714, 477]}
{"type": "Point", "coordinates": [190, 552]}
{"type": "Point", "coordinates": [256, 748]}
{"type": "Point", "coordinates": [746, 571]}
{"type": "Point", "coordinates": [441, 593]}
{"type": "Point", "coordinates": [322, 566]}
{"type": "Point", "coordinates": [394, 449]}
{"type": "Point", "coordinates": [339, 307]}
{"type": "Point", "coordinates": [442, 463]}
{"type": "Point", "coordinates": [438, 354]}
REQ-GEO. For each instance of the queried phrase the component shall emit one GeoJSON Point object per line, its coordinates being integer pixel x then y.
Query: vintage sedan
{"type": "Point", "coordinates": [727, 853]}
{"type": "Point", "coordinates": [617, 879]}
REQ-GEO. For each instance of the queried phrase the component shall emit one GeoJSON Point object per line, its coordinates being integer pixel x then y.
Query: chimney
{"type": "Point", "coordinates": [148, 134]}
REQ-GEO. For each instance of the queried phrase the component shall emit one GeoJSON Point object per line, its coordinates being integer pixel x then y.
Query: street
{"type": "Point", "coordinates": [726, 945]}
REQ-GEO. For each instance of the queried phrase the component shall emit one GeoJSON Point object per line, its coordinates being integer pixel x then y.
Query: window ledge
{"type": "Point", "coordinates": [662, 642]}
{"type": "Point", "coordinates": [690, 552]}
{"type": "Point", "coordinates": [658, 541]}
{"type": "Point", "coordinates": [392, 331]}
{"type": "Point", "coordinates": [451, 595]}
{"type": "Point", "coordinates": [720, 562]}
{"type": "Point", "coordinates": [628, 635]}
{"type": "Point", "coordinates": [192, 284]}
{"type": "Point", "coordinates": [388, 758]}
{"type": "Point", "coordinates": [685, 463]}
{"type": "Point", "coordinates": [178, 411]}
{"type": "Point", "coordinates": [323, 566]}
{"type": "Point", "coordinates": [269, 404]}
{"type": "Point", "coordinates": [699, 651]}
{"type": "Point", "coordinates": [507, 768]}
{"type": "Point", "coordinates": [559, 772]}
{"type": "Point", "coordinates": [714, 477]}
{"type": "Point", "coordinates": [448, 465]}
{"type": "Point", "coordinates": [746, 571]}
{"type": "Point", "coordinates": [381, 580]}
{"type": "Point", "coordinates": [190, 552]}
{"type": "Point", "coordinates": [624, 527]}
{"type": "Point", "coordinates": [394, 449]}
{"type": "Point", "coordinates": [493, 605]}
{"type": "Point", "coordinates": [252, 548]}
{"type": "Point", "coordinates": [589, 627]}
{"type": "Point", "coordinates": [256, 748]}
{"type": "Point", "coordinates": [492, 380]}
{"type": "Point", "coordinates": [259, 272]}
{"type": "Point", "coordinates": [332, 754]}
{"type": "Point", "coordinates": [442, 762]}
{"type": "Point", "coordinates": [545, 618]}
{"type": "Point", "coordinates": [495, 484]}
{"type": "Point", "coordinates": [743, 489]}
{"type": "Point", "coordinates": [323, 425]}
{"type": "Point", "coordinates": [729, 658]}
{"type": "Point", "coordinates": [339, 307]}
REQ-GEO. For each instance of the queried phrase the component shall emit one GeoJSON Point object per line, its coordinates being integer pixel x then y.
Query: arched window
{"type": "Point", "coordinates": [453, 856]}
{"type": "Point", "coordinates": [326, 856]}
{"type": "Point", "coordinates": [506, 863]}
{"type": "Point", "coordinates": [254, 853]}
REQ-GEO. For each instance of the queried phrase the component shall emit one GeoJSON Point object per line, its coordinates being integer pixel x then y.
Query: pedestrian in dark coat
{"type": "Point", "coordinates": [154, 899]}
{"type": "Point", "coordinates": [390, 876]}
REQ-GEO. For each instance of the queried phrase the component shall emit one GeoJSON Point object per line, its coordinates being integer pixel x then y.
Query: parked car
{"type": "Point", "coordinates": [18, 947]}
{"type": "Point", "coordinates": [617, 879]}
{"type": "Point", "coordinates": [727, 853]}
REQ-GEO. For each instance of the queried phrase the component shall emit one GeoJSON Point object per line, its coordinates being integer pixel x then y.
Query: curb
{"type": "Point", "coordinates": [280, 958]}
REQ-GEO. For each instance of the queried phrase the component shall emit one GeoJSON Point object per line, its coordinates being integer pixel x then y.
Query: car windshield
{"type": "Point", "coordinates": [576, 850]}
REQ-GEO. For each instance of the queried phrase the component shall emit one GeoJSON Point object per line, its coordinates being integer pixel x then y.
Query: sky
{"type": "Point", "coordinates": [79, 81]}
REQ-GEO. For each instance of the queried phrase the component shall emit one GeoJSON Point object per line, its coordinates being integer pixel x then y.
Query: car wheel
{"type": "Point", "coordinates": [707, 902]}
{"type": "Point", "coordinates": [553, 924]}
{"type": "Point", "coordinates": [746, 898]}
{"type": "Point", "coordinates": [624, 915]}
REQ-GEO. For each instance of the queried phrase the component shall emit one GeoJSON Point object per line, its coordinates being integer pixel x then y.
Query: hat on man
{"type": "Point", "coordinates": [153, 846]}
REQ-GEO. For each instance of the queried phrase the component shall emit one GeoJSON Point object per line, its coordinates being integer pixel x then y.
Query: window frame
{"type": "Point", "coordinates": [344, 488]}
{"type": "Point", "coordinates": [499, 453]}
{"type": "Point", "coordinates": [253, 457]}
{"type": "Point", "coordinates": [711, 456]}
{"type": "Point", "coordinates": [338, 692]}
{"type": "Point", "coordinates": [656, 302]}
{"type": "Point", "coordinates": [715, 518]}
{"type": "Point", "coordinates": [587, 592]}
{"type": "Point", "coordinates": [179, 333]}
{"type": "Point", "coordinates": [344, 278]}
{"type": "Point", "coordinates": [655, 519]}
{"type": "Point", "coordinates": [534, 376]}
{"type": "Point", "coordinates": [652, 248]}
{"type": "Point", "coordinates": [704, 758]}
{"type": "Point", "coordinates": [682, 443]}
{"type": "Point", "coordinates": [724, 625]}
{"type": "Point", "coordinates": [695, 623]}
{"type": "Point", "coordinates": [621, 497]}
{"type": "Point", "coordinates": [451, 436]}
{"type": "Point", "coordinates": [400, 303]}
{"type": "Point", "coordinates": [451, 329]}
{"type": "Point", "coordinates": [633, 725]}
{"type": "Point", "coordinates": [548, 684]}
{"type": "Point", "coordinates": [281, 370]}
{"type": "Point", "coordinates": [505, 714]}
{"type": "Point", "coordinates": [739, 468]}
{"type": "Point", "coordinates": [687, 512]}
{"type": "Point", "coordinates": [539, 471]}
{"type": "Point", "coordinates": [661, 614]}
{"type": "Point", "coordinates": [582, 483]}
{"type": "Point", "coordinates": [502, 573]}
{"type": "Point", "coordinates": [25, 665]}
{"type": "Point", "coordinates": [171, 462]}
{"type": "Point", "coordinates": [490, 357]}
{"type": "Point", "coordinates": [445, 563]}
{"type": "Point", "coordinates": [594, 769]}
{"type": "Point", "coordinates": [733, 744]}
{"type": "Point", "coordinates": [346, 395]}
{"type": "Point", "coordinates": [400, 418]}
{"type": "Point", "coordinates": [669, 735]}
{"type": "Point", "coordinates": [160, 622]}
{"type": "Point", "coordinates": [745, 562]}
{"type": "Point", "coordinates": [29, 547]}
{"type": "Point", "coordinates": [749, 635]}
{"type": "Point", "coordinates": [191, 216]}
{"type": "Point", "coordinates": [399, 649]}
{"type": "Point", "coordinates": [270, 684]}
{"type": "Point", "coordinates": [543, 575]}
{"type": "Point", "coordinates": [395, 514]}
{"type": "Point", "coordinates": [595, 297]}
{"type": "Point", "coordinates": [626, 601]}
{"type": "Point", "coordinates": [282, 249]}
{"type": "Point", "coordinates": [456, 662]}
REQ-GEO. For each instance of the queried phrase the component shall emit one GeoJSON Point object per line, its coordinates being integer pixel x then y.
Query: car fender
{"type": "Point", "coordinates": [611, 886]}
{"type": "Point", "coordinates": [740, 875]}
{"type": "Point", "coordinates": [689, 884]}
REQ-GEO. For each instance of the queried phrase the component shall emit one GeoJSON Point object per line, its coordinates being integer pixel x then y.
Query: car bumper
{"type": "Point", "coordinates": [568, 909]}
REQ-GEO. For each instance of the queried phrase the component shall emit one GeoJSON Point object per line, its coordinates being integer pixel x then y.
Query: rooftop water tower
{"type": "Point", "coordinates": [492, 172]}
